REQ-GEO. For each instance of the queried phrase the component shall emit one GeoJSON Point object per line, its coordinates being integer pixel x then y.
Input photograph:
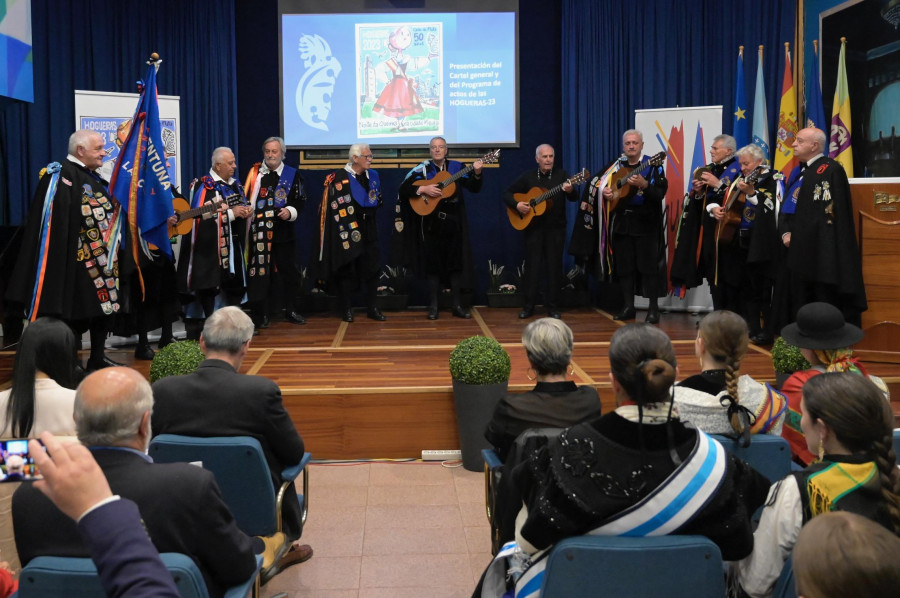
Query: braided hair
{"type": "Point", "coordinates": [861, 419]}
{"type": "Point", "coordinates": [726, 338]}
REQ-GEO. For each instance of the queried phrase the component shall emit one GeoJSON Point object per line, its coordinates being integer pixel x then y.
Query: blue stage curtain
{"type": "Point", "coordinates": [103, 45]}
{"type": "Point", "coordinates": [621, 56]}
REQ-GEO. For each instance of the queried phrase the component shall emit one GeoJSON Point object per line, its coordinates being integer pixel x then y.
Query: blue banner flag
{"type": "Point", "coordinates": [140, 180]}
{"type": "Point", "coordinates": [760, 114]}
{"type": "Point", "coordinates": [815, 108]}
{"type": "Point", "coordinates": [741, 126]}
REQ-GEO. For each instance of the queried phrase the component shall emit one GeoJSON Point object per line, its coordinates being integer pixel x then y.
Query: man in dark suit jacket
{"type": "Point", "coordinates": [216, 400]}
{"type": "Point", "coordinates": [180, 504]}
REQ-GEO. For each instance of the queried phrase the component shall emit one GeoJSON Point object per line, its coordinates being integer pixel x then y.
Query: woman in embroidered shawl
{"type": "Point", "coordinates": [598, 476]}
{"type": "Point", "coordinates": [825, 339]}
{"type": "Point", "coordinates": [847, 422]}
{"type": "Point", "coordinates": [719, 400]}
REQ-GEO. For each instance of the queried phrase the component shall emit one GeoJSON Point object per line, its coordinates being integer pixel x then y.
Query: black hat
{"type": "Point", "coordinates": [821, 326]}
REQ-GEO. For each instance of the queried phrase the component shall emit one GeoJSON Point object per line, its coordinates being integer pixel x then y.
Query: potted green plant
{"type": "Point", "coordinates": [502, 293]}
{"type": "Point", "coordinates": [787, 359]}
{"type": "Point", "coordinates": [480, 368]}
{"type": "Point", "coordinates": [176, 359]}
{"type": "Point", "coordinates": [393, 288]}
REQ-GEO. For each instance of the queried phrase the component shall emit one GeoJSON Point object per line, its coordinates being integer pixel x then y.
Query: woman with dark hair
{"type": "Point", "coordinates": [824, 338]}
{"type": "Point", "coordinates": [849, 425]}
{"type": "Point", "coordinates": [719, 400]}
{"type": "Point", "coordinates": [636, 471]}
{"type": "Point", "coordinates": [41, 396]}
{"type": "Point", "coordinates": [555, 401]}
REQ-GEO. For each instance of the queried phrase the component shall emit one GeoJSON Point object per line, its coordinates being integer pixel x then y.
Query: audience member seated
{"type": "Point", "coordinates": [719, 400]}
{"type": "Point", "coordinates": [631, 472]}
{"type": "Point", "coordinates": [824, 339]}
{"type": "Point", "coordinates": [180, 504]}
{"type": "Point", "coordinates": [110, 526]}
{"type": "Point", "coordinates": [844, 555]}
{"type": "Point", "coordinates": [216, 400]}
{"type": "Point", "coordinates": [849, 425]}
{"type": "Point", "coordinates": [555, 402]}
{"type": "Point", "coordinates": [41, 396]}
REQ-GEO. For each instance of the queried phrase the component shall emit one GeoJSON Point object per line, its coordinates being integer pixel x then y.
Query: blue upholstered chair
{"type": "Point", "coordinates": [242, 474]}
{"type": "Point", "coordinates": [51, 576]}
{"type": "Point", "coordinates": [769, 455]}
{"type": "Point", "coordinates": [784, 587]}
{"type": "Point", "coordinates": [670, 566]}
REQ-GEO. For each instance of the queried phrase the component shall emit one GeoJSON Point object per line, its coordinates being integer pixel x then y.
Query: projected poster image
{"type": "Point", "coordinates": [399, 86]}
{"type": "Point", "coordinates": [114, 131]}
{"type": "Point", "coordinates": [399, 80]}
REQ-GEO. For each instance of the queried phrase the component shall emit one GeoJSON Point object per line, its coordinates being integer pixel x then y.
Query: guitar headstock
{"type": "Point", "coordinates": [234, 200]}
{"type": "Point", "coordinates": [490, 157]}
{"type": "Point", "coordinates": [580, 177]}
{"type": "Point", "coordinates": [658, 159]}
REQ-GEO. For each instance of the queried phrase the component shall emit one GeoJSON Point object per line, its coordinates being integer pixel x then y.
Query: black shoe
{"type": "Point", "coordinates": [265, 321]}
{"type": "Point", "coordinates": [144, 352]}
{"type": "Point", "coordinates": [294, 317]}
{"type": "Point", "coordinates": [762, 339]}
{"type": "Point", "coordinates": [652, 316]}
{"type": "Point", "coordinates": [433, 313]}
{"type": "Point", "coordinates": [374, 313]}
{"type": "Point", "coordinates": [348, 315]}
{"type": "Point", "coordinates": [459, 312]}
{"type": "Point", "coordinates": [627, 313]}
{"type": "Point", "coordinates": [106, 362]}
{"type": "Point", "coordinates": [526, 312]}
{"type": "Point", "coordinates": [554, 313]}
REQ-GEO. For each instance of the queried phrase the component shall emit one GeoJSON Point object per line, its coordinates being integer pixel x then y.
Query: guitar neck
{"type": "Point", "coordinates": [204, 209]}
{"type": "Point", "coordinates": [455, 177]}
{"type": "Point", "coordinates": [548, 194]}
{"type": "Point", "coordinates": [639, 168]}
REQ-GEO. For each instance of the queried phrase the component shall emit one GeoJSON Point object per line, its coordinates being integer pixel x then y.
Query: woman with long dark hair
{"type": "Point", "coordinates": [846, 422]}
{"type": "Point", "coordinates": [42, 396]}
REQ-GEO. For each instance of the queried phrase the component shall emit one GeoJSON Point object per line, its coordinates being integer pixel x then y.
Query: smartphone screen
{"type": "Point", "coordinates": [16, 463]}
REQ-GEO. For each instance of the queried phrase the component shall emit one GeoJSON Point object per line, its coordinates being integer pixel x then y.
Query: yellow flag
{"type": "Point", "coordinates": [839, 146]}
{"type": "Point", "coordinates": [785, 161]}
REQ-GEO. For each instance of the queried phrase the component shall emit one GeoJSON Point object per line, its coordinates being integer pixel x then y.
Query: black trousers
{"type": "Point", "coordinates": [543, 254]}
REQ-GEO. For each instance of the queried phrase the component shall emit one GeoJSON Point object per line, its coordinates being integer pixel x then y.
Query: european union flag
{"type": "Point", "coordinates": [140, 181]}
{"type": "Point", "coordinates": [815, 109]}
{"type": "Point", "coordinates": [741, 127]}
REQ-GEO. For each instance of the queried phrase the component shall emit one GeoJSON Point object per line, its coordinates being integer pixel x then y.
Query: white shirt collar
{"type": "Point", "coordinates": [813, 159]}
{"type": "Point", "coordinates": [72, 158]}
{"type": "Point", "coordinates": [216, 177]}
{"type": "Point", "coordinates": [263, 169]}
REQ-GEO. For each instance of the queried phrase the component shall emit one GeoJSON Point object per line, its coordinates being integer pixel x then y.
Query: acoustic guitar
{"type": "Point", "coordinates": [185, 214]}
{"type": "Point", "coordinates": [446, 182]}
{"type": "Point", "coordinates": [540, 201]}
{"type": "Point", "coordinates": [734, 207]}
{"type": "Point", "coordinates": [618, 181]}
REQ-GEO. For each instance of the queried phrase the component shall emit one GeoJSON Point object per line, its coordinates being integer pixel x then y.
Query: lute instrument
{"type": "Point", "coordinates": [540, 201]}
{"type": "Point", "coordinates": [185, 213]}
{"type": "Point", "coordinates": [734, 207]}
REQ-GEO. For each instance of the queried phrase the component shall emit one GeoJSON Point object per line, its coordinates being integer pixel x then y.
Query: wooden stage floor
{"type": "Point", "coordinates": [383, 389]}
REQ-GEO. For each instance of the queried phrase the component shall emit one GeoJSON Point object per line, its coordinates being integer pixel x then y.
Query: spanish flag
{"type": "Point", "coordinates": [785, 161]}
{"type": "Point", "coordinates": [839, 147]}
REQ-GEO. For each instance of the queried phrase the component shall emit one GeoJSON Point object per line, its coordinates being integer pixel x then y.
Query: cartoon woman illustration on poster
{"type": "Point", "coordinates": [399, 99]}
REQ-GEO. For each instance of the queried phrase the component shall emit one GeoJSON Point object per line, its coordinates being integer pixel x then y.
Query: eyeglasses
{"type": "Point", "coordinates": [715, 147]}
{"type": "Point", "coordinates": [367, 156]}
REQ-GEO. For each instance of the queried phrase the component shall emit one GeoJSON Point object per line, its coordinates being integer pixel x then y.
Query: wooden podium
{"type": "Point", "coordinates": [876, 213]}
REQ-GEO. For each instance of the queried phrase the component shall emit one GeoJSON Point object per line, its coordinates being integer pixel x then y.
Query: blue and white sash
{"type": "Point", "coordinates": [670, 506]}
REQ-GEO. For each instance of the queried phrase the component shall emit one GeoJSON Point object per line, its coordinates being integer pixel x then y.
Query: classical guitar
{"type": "Point", "coordinates": [185, 214]}
{"type": "Point", "coordinates": [618, 181]}
{"type": "Point", "coordinates": [446, 182]}
{"type": "Point", "coordinates": [734, 207]}
{"type": "Point", "coordinates": [540, 201]}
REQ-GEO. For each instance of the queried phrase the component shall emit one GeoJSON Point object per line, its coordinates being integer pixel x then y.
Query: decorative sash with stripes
{"type": "Point", "coordinates": [666, 509]}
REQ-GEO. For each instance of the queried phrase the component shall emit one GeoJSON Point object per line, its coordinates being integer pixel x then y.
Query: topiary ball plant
{"type": "Point", "coordinates": [787, 359]}
{"type": "Point", "coordinates": [479, 360]}
{"type": "Point", "coordinates": [176, 359]}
